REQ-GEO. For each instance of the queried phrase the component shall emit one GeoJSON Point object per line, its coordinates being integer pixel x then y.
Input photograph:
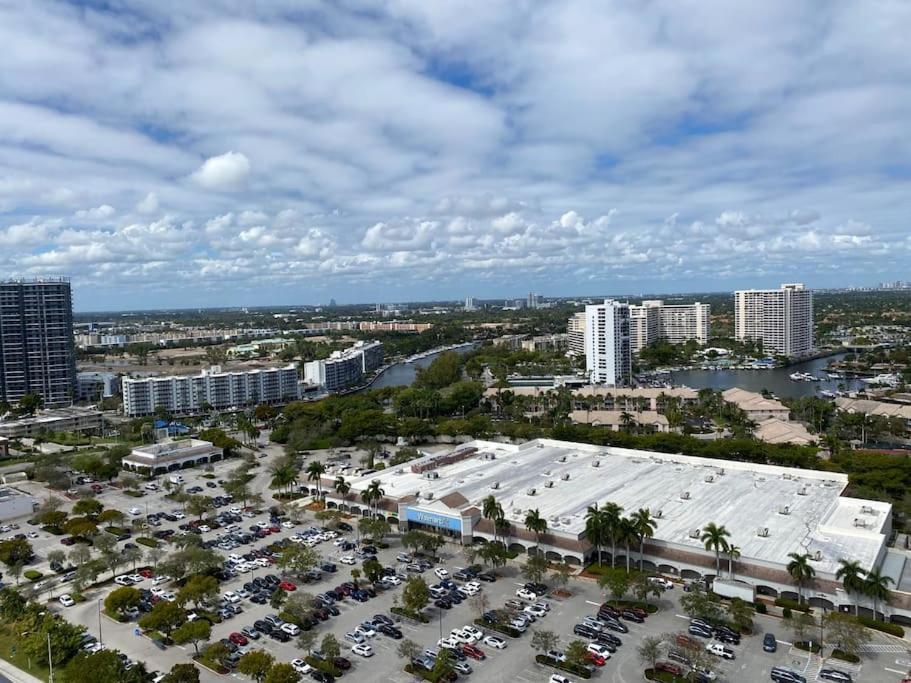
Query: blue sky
{"type": "Point", "coordinates": [192, 154]}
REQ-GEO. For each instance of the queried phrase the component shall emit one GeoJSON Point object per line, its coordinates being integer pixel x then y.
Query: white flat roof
{"type": "Point", "coordinates": [743, 498]}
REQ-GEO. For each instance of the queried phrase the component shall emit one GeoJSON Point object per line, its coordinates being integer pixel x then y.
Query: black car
{"type": "Point", "coordinates": [262, 626]}
{"type": "Point", "coordinates": [328, 567]}
{"type": "Point", "coordinates": [585, 631]}
{"type": "Point", "coordinates": [695, 630]}
{"type": "Point", "coordinates": [608, 639]}
{"type": "Point", "coordinates": [344, 526]}
{"type": "Point", "coordinates": [769, 643]}
{"type": "Point", "coordinates": [280, 636]}
{"type": "Point", "coordinates": [486, 577]}
{"type": "Point", "coordinates": [369, 549]}
{"type": "Point", "coordinates": [321, 676]}
{"type": "Point", "coordinates": [443, 603]}
{"type": "Point", "coordinates": [631, 616]}
{"type": "Point", "coordinates": [390, 631]}
{"type": "Point", "coordinates": [615, 625]}
{"type": "Point", "coordinates": [538, 588]}
{"type": "Point", "coordinates": [456, 653]}
{"type": "Point", "coordinates": [836, 675]}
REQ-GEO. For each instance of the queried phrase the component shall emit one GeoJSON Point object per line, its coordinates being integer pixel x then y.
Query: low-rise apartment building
{"type": "Point", "coordinates": [73, 419]}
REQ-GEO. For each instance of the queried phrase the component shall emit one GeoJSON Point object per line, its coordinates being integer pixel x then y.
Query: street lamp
{"type": "Point", "coordinates": [100, 639]}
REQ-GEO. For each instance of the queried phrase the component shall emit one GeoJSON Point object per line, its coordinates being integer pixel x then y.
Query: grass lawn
{"type": "Point", "coordinates": [8, 640]}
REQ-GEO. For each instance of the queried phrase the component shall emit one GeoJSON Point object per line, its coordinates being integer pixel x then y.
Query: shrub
{"type": "Point", "coordinates": [407, 613]}
{"type": "Point", "coordinates": [786, 613]}
{"type": "Point", "coordinates": [884, 626]}
{"type": "Point", "coordinates": [792, 604]}
{"type": "Point", "coordinates": [32, 574]}
{"type": "Point", "coordinates": [760, 608]}
{"type": "Point", "coordinates": [116, 530]}
{"type": "Point", "coordinates": [505, 629]}
{"type": "Point", "coordinates": [807, 647]}
{"type": "Point", "coordinates": [579, 671]}
{"type": "Point", "coordinates": [323, 665]}
{"type": "Point", "coordinates": [845, 657]}
{"type": "Point", "coordinates": [146, 541]}
{"type": "Point", "coordinates": [663, 676]}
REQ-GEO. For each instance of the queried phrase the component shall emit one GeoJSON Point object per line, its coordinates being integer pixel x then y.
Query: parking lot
{"type": "Point", "coordinates": [883, 663]}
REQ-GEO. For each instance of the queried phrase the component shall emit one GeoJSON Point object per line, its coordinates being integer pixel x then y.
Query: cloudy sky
{"type": "Point", "coordinates": [226, 152]}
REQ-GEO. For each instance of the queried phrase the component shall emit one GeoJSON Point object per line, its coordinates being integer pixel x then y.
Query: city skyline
{"type": "Point", "coordinates": [199, 156]}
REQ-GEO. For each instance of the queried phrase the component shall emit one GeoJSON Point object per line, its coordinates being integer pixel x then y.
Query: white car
{"type": "Point", "coordinates": [231, 596]}
{"type": "Point", "coordinates": [158, 591]}
{"type": "Point", "coordinates": [661, 581]}
{"type": "Point", "coordinates": [347, 559]}
{"type": "Point", "coordinates": [461, 636]}
{"type": "Point", "coordinates": [365, 630]}
{"type": "Point", "coordinates": [204, 528]}
{"type": "Point", "coordinates": [235, 510]}
{"type": "Point", "coordinates": [66, 600]}
{"type": "Point", "coordinates": [441, 573]}
{"type": "Point", "coordinates": [163, 578]}
{"type": "Point", "coordinates": [170, 597]}
{"type": "Point", "coordinates": [338, 543]}
{"type": "Point", "coordinates": [450, 641]}
{"type": "Point", "coordinates": [393, 580]}
{"type": "Point", "coordinates": [123, 581]}
{"type": "Point", "coordinates": [290, 629]}
{"type": "Point", "coordinates": [557, 678]}
{"type": "Point", "coordinates": [542, 605]}
{"type": "Point", "coordinates": [32, 534]}
{"type": "Point", "coordinates": [470, 590]}
{"type": "Point", "coordinates": [598, 650]}
{"type": "Point", "coordinates": [473, 631]}
{"type": "Point", "coordinates": [526, 594]}
{"type": "Point", "coordinates": [235, 558]}
{"type": "Point", "coordinates": [495, 642]}
{"type": "Point", "coordinates": [720, 650]}
{"type": "Point", "coordinates": [135, 512]}
{"type": "Point", "coordinates": [288, 525]}
{"type": "Point", "coordinates": [92, 648]}
{"type": "Point", "coordinates": [137, 578]}
{"type": "Point", "coordinates": [301, 667]}
{"type": "Point", "coordinates": [535, 611]}
{"type": "Point", "coordinates": [363, 650]}
{"type": "Point", "coordinates": [179, 514]}
{"type": "Point", "coordinates": [261, 562]}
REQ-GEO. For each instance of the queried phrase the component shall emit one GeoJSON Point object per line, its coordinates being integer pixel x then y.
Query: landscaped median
{"type": "Point", "coordinates": [409, 614]}
{"type": "Point", "coordinates": [505, 629]}
{"type": "Point", "coordinates": [324, 666]}
{"type": "Point", "coordinates": [579, 671]}
{"type": "Point", "coordinates": [664, 676]}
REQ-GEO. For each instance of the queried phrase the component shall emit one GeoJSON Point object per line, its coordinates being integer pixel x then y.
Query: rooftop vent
{"type": "Point", "coordinates": [784, 510]}
{"type": "Point", "coordinates": [763, 532]}
{"type": "Point", "coordinates": [531, 492]}
{"type": "Point", "coordinates": [720, 472]}
{"type": "Point", "coordinates": [786, 475]}
{"type": "Point", "coordinates": [432, 475]}
{"type": "Point", "coordinates": [490, 456]}
{"type": "Point", "coordinates": [565, 476]}
{"type": "Point", "coordinates": [495, 485]}
{"type": "Point", "coordinates": [429, 495]}
{"type": "Point", "coordinates": [562, 458]}
{"type": "Point", "coordinates": [709, 478]}
{"type": "Point", "coordinates": [548, 484]}
{"type": "Point", "coordinates": [685, 495]}
{"type": "Point", "coordinates": [866, 510]}
{"type": "Point", "coordinates": [659, 514]}
{"type": "Point", "coordinates": [547, 473]}
{"type": "Point", "coordinates": [400, 471]}
{"type": "Point", "coordinates": [695, 533]}
{"type": "Point", "coordinates": [802, 491]}
{"type": "Point", "coordinates": [817, 556]}
{"type": "Point", "coordinates": [596, 463]}
{"type": "Point", "coordinates": [860, 523]}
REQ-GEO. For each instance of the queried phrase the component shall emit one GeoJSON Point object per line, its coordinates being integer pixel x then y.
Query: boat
{"type": "Point", "coordinates": [890, 379]}
{"type": "Point", "coordinates": [825, 393]}
{"type": "Point", "coordinates": [834, 375]}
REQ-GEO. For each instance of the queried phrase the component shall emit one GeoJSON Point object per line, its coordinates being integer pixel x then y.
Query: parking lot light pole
{"type": "Point", "coordinates": [100, 639]}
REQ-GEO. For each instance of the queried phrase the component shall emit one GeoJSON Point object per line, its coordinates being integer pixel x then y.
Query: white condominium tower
{"type": "Point", "coordinates": [677, 323]}
{"type": "Point", "coordinates": [782, 319]}
{"type": "Point", "coordinates": [607, 349]}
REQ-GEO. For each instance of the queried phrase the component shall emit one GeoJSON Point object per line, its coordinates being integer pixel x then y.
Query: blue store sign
{"type": "Point", "coordinates": [434, 519]}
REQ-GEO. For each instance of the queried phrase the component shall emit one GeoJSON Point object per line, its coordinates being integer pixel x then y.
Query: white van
{"type": "Point", "coordinates": [135, 511]}
{"type": "Point", "coordinates": [176, 479]}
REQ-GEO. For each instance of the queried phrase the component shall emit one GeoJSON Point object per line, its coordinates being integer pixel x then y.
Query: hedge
{"type": "Point", "coordinates": [32, 574]}
{"type": "Point", "coordinates": [807, 646]}
{"type": "Point", "coordinates": [884, 626]}
{"type": "Point", "coordinates": [505, 629]}
{"type": "Point", "coordinates": [323, 665]}
{"type": "Point", "coordinates": [651, 608]}
{"type": "Point", "coordinates": [663, 676]}
{"type": "Point", "coordinates": [760, 608]}
{"type": "Point", "coordinates": [845, 656]}
{"type": "Point", "coordinates": [421, 672]}
{"type": "Point", "coordinates": [116, 530]}
{"type": "Point", "coordinates": [579, 671]}
{"type": "Point", "coordinates": [146, 541]}
{"type": "Point", "coordinates": [792, 604]}
{"type": "Point", "coordinates": [408, 614]}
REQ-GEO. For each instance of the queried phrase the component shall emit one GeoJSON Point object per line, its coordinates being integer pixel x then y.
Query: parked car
{"type": "Point", "coordinates": [363, 650]}
{"type": "Point", "coordinates": [720, 650]}
{"type": "Point", "coordinates": [769, 643]}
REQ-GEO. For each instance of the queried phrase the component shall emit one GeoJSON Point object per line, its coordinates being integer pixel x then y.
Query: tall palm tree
{"type": "Point", "coordinates": [376, 493]}
{"type": "Point", "coordinates": [876, 587]}
{"type": "Point", "coordinates": [852, 578]}
{"type": "Point", "coordinates": [536, 524]}
{"type": "Point", "coordinates": [315, 472]}
{"type": "Point", "coordinates": [627, 535]}
{"type": "Point", "coordinates": [800, 570]}
{"type": "Point", "coordinates": [644, 525]}
{"type": "Point", "coordinates": [733, 553]}
{"type": "Point", "coordinates": [341, 486]}
{"type": "Point", "coordinates": [283, 474]}
{"type": "Point", "coordinates": [492, 510]}
{"type": "Point", "coordinates": [501, 526]}
{"type": "Point", "coordinates": [595, 531]}
{"type": "Point", "coordinates": [612, 515]}
{"type": "Point", "coordinates": [713, 538]}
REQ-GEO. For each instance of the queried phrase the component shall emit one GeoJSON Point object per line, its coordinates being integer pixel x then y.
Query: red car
{"type": "Point", "coordinates": [287, 586]}
{"type": "Point", "coordinates": [67, 541]}
{"type": "Point", "coordinates": [594, 658]}
{"type": "Point", "coordinates": [238, 638]}
{"type": "Point", "coordinates": [147, 573]}
{"type": "Point", "coordinates": [473, 652]}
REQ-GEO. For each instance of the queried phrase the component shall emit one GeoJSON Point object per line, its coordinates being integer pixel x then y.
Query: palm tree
{"type": "Point", "coordinates": [733, 553]}
{"type": "Point", "coordinates": [341, 486]}
{"type": "Point", "coordinates": [315, 472]}
{"type": "Point", "coordinates": [713, 537]}
{"type": "Point", "coordinates": [376, 492]}
{"type": "Point", "coordinates": [612, 515]}
{"type": "Point", "coordinates": [283, 474]}
{"type": "Point", "coordinates": [876, 587]}
{"type": "Point", "coordinates": [800, 570]}
{"type": "Point", "coordinates": [536, 524]}
{"type": "Point", "coordinates": [594, 529]}
{"type": "Point", "coordinates": [852, 578]}
{"type": "Point", "coordinates": [492, 510]}
{"type": "Point", "coordinates": [644, 525]}
{"type": "Point", "coordinates": [501, 526]}
{"type": "Point", "coordinates": [626, 422]}
{"type": "Point", "coordinates": [627, 535]}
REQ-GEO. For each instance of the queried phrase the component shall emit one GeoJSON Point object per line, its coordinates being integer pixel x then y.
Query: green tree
{"type": "Point", "coordinates": [537, 525]}
{"type": "Point", "coordinates": [595, 529]}
{"type": "Point", "coordinates": [442, 665]}
{"type": "Point", "coordinates": [851, 576]}
{"type": "Point", "coordinates": [112, 517]}
{"type": "Point", "coordinates": [256, 664]}
{"type": "Point", "coordinates": [644, 526]}
{"type": "Point", "coordinates": [616, 581]}
{"type": "Point", "coordinates": [88, 507]}
{"type": "Point", "coordinates": [544, 641]}
{"type": "Point", "coordinates": [649, 650]}
{"type": "Point", "coordinates": [164, 616]}
{"type": "Point", "coordinates": [80, 527]}
{"type": "Point", "coordinates": [306, 641]}
{"type": "Point", "coordinates": [415, 594]}
{"type": "Point", "coordinates": [876, 587]}
{"type": "Point", "coordinates": [700, 605]}
{"type": "Point", "coordinates": [104, 666]}
{"type": "Point", "coordinates": [714, 538]}
{"type": "Point", "coordinates": [330, 647]}
{"type": "Point", "coordinates": [120, 599]}
{"type": "Point", "coordinates": [373, 570]}
{"type": "Point", "coordinates": [535, 568]}
{"type": "Point", "coordinates": [132, 556]}
{"type": "Point", "coordinates": [199, 505]}
{"type": "Point", "coordinates": [741, 614]}
{"type": "Point", "coordinates": [182, 673]}
{"type": "Point", "coordinates": [15, 551]}
{"type": "Point", "coordinates": [282, 673]}
{"type": "Point", "coordinates": [575, 653]}
{"type": "Point", "coordinates": [801, 624]}
{"type": "Point", "coordinates": [845, 633]}
{"type": "Point", "coordinates": [298, 559]}
{"type": "Point", "coordinates": [800, 570]}
{"type": "Point", "coordinates": [198, 589]}
{"type": "Point", "coordinates": [194, 632]}
{"type": "Point", "coordinates": [315, 471]}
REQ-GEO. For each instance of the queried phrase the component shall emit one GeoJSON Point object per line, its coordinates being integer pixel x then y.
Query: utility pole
{"type": "Point", "coordinates": [100, 639]}
{"type": "Point", "coordinates": [50, 661]}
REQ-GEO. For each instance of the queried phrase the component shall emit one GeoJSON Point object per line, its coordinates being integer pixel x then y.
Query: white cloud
{"type": "Point", "coordinates": [228, 171]}
{"type": "Point", "coordinates": [98, 213]}
{"type": "Point", "coordinates": [149, 204]}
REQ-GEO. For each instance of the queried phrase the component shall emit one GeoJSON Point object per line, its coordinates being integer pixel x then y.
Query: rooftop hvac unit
{"type": "Point", "coordinates": [802, 491]}
{"type": "Point", "coordinates": [495, 485]}
{"type": "Point", "coordinates": [709, 478]}
{"type": "Point", "coordinates": [685, 495]}
{"type": "Point", "coordinates": [531, 492]}
{"type": "Point", "coordinates": [866, 510]}
{"type": "Point", "coordinates": [695, 533]}
{"type": "Point", "coordinates": [720, 471]}
{"type": "Point", "coordinates": [861, 523]}
{"type": "Point", "coordinates": [562, 458]}
{"type": "Point", "coordinates": [659, 514]}
{"type": "Point", "coordinates": [547, 473]}
{"type": "Point", "coordinates": [548, 484]}
{"type": "Point", "coordinates": [784, 510]}
{"type": "Point", "coordinates": [786, 475]}
{"type": "Point", "coordinates": [429, 495]}
{"type": "Point", "coordinates": [596, 463]}
{"type": "Point", "coordinates": [763, 532]}
{"type": "Point", "coordinates": [432, 475]}
{"type": "Point", "coordinates": [565, 476]}
{"type": "Point", "coordinates": [817, 556]}
{"type": "Point", "coordinates": [400, 471]}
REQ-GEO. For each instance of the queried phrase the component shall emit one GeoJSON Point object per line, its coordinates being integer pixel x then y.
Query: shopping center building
{"type": "Point", "coordinates": [769, 511]}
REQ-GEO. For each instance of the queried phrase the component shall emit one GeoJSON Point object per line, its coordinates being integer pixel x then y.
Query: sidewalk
{"type": "Point", "coordinates": [15, 674]}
